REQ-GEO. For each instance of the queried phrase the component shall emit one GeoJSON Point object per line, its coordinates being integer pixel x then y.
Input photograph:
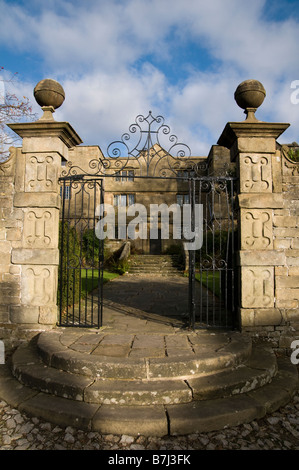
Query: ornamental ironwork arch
{"type": "Point", "coordinates": [150, 143]}
{"type": "Point", "coordinates": [150, 146]}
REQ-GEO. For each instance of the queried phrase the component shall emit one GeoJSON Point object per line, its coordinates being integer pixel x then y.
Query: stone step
{"type": "Point", "coordinates": [154, 420]}
{"type": "Point", "coordinates": [153, 267]}
{"type": "Point", "coordinates": [155, 270]}
{"type": "Point", "coordinates": [154, 257]}
{"type": "Point", "coordinates": [143, 392]}
{"type": "Point", "coordinates": [167, 264]}
{"type": "Point", "coordinates": [152, 263]}
{"type": "Point", "coordinates": [29, 368]}
{"type": "Point", "coordinates": [200, 355]}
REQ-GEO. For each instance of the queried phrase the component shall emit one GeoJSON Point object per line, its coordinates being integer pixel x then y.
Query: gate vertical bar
{"type": "Point", "coordinates": [96, 266]}
{"type": "Point", "coordinates": [233, 293]}
{"type": "Point", "coordinates": [192, 257]}
{"type": "Point", "coordinates": [101, 262]}
{"type": "Point", "coordinates": [61, 252]}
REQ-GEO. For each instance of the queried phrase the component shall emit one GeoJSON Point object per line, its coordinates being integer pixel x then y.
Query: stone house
{"type": "Point", "coordinates": [133, 181]}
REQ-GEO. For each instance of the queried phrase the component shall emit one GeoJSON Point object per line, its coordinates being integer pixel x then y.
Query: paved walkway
{"type": "Point", "coordinates": [145, 316]}
{"type": "Point", "coordinates": [150, 302]}
{"type": "Point", "coordinates": [147, 302]}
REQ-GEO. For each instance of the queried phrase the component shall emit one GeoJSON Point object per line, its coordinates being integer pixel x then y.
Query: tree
{"type": "Point", "coordinates": [12, 109]}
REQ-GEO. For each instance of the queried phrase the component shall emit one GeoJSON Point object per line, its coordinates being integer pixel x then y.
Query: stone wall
{"type": "Point", "coordinates": [11, 223]}
{"type": "Point", "coordinates": [268, 216]}
{"type": "Point", "coordinates": [272, 227]}
{"type": "Point", "coordinates": [29, 242]}
{"type": "Point", "coordinates": [286, 242]}
{"type": "Point", "coordinates": [29, 223]}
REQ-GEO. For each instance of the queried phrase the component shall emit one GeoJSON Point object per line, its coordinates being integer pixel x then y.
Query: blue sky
{"type": "Point", "coordinates": [182, 59]}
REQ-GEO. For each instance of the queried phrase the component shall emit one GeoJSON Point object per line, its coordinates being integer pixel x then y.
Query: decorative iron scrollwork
{"type": "Point", "coordinates": [149, 146]}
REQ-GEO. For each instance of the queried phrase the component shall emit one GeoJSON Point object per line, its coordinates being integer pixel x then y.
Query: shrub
{"type": "Point", "coordinates": [178, 251]}
{"type": "Point", "coordinates": [91, 248]}
{"type": "Point", "coordinates": [214, 245]}
{"type": "Point", "coordinates": [294, 155]}
{"type": "Point", "coordinates": [69, 268]}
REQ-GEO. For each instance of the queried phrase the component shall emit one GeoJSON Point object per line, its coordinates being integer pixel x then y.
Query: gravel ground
{"type": "Point", "coordinates": [279, 431]}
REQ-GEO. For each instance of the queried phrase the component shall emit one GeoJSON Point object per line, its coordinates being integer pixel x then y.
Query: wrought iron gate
{"type": "Point", "coordinates": [211, 283]}
{"type": "Point", "coordinates": [80, 285]}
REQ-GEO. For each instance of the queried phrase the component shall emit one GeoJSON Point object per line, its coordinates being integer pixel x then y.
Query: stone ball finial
{"type": "Point", "coordinates": [249, 95]}
{"type": "Point", "coordinates": [49, 93]}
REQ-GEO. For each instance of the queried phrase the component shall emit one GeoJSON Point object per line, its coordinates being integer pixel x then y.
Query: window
{"type": "Point", "coordinates": [67, 192]}
{"type": "Point", "coordinates": [131, 199]}
{"type": "Point", "coordinates": [185, 174]}
{"type": "Point", "coordinates": [125, 175]}
{"type": "Point", "coordinates": [124, 200]}
{"type": "Point", "coordinates": [182, 199]}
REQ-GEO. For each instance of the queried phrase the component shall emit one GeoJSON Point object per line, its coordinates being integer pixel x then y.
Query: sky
{"type": "Point", "coordinates": [182, 59]}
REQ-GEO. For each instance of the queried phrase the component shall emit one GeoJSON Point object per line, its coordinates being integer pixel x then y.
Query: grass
{"type": "Point", "coordinates": [90, 279]}
{"type": "Point", "coordinates": [211, 280]}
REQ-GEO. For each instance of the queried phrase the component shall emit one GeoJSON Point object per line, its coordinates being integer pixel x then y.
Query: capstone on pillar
{"type": "Point", "coordinates": [253, 147]}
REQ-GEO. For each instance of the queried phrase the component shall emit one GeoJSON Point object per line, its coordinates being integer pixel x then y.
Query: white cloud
{"type": "Point", "coordinates": [103, 105]}
{"type": "Point", "coordinates": [101, 55]}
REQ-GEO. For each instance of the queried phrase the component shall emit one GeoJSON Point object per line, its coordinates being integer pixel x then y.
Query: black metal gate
{"type": "Point", "coordinates": [80, 284]}
{"type": "Point", "coordinates": [211, 283]}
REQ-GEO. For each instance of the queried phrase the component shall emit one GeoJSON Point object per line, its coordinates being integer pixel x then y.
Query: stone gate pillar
{"type": "Point", "coordinates": [253, 147]}
{"type": "Point", "coordinates": [30, 227]}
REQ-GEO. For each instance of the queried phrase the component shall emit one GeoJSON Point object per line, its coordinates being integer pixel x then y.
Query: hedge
{"type": "Point", "coordinates": [69, 269]}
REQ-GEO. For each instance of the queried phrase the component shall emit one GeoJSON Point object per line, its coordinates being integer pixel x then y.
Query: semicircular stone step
{"type": "Point", "coordinates": [29, 368]}
{"type": "Point", "coordinates": [222, 384]}
{"type": "Point", "coordinates": [207, 354]}
{"type": "Point", "coordinates": [154, 420]}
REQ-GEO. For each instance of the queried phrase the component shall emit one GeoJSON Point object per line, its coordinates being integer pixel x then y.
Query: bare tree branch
{"type": "Point", "coordinates": [12, 109]}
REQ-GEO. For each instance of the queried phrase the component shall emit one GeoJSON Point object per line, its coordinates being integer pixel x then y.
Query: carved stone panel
{"type": "Point", "coordinates": [41, 174]}
{"type": "Point", "coordinates": [256, 229]}
{"type": "Point", "coordinates": [7, 168]}
{"type": "Point", "coordinates": [257, 287]}
{"type": "Point", "coordinates": [39, 285]}
{"type": "Point", "coordinates": [289, 167]}
{"type": "Point", "coordinates": [255, 174]}
{"type": "Point", "coordinates": [40, 228]}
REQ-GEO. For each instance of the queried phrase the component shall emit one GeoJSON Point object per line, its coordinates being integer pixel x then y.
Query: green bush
{"type": "Point", "coordinates": [216, 260]}
{"type": "Point", "coordinates": [69, 268]}
{"type": "Point", "coordinates": [178, 251]}
{"type": "Point", "coordinates": [115, 265]}
{"type": "Point", "coordinates": [214, 245]}
{"type": "Point", "coordinates": [294, 155]}
{"type": "Point", "coordinates": [91, 248]}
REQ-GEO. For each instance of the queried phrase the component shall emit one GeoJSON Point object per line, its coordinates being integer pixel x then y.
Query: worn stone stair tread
{"type": "Point", "coordinates": [201, 416]}
{"type": "Point", "coordinates": [29, 369]}
{"type": "Point", "coordinates": [131, 420]}
{"type": "Point", "coordinates": [256, 372]}
{"type": "Point", "coordinates": [57, 355]}
{"type": "Point", "coordinates": [11, 390]}
{"type": "Point", "coordinates": [136, 392]}
{"type": "Point", "coordinates": [162, 265]}
{"type": "Point", "coordinates": [216, 414]}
